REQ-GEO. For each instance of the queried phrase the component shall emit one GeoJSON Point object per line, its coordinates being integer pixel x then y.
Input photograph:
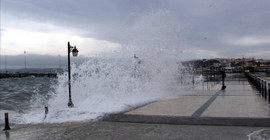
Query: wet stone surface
{"type": "Point", "coordinates": [133, 131]}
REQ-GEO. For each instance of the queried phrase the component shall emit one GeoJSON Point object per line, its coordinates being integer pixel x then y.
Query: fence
{"type": "Point", "coordinates": [261, 84]}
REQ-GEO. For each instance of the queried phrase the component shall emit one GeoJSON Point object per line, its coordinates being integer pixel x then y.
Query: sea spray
{"type": "Point", "coordinates": [148, 68]}
{"type": "Point", "coordinates": [104, 85]}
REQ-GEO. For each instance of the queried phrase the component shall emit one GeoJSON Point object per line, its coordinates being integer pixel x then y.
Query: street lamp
{"type": "Point", "coordinates": [6, 63]}
{"type": "Point", "coordinates": [74, 53]}
{"type": "Point", "coordinates": [24, 61]}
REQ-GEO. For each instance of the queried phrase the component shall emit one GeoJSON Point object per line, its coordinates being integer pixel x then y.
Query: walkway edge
{"type": "Point", "coordinates": [183, 120]}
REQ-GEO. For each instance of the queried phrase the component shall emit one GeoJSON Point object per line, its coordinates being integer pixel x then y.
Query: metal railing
{"type": "Point", "coordinates": [262, 84]}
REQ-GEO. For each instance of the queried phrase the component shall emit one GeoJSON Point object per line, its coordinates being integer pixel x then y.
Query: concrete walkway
{"type": "Point", "coordinates": [240, 104]}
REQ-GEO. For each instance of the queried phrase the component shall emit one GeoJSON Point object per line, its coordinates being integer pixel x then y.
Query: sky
{"type": "Point", "coordinates": [193, 28]}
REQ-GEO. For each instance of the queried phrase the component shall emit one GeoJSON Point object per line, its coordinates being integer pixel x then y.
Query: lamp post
{"type": "Point", "coordinates": [6, 64]}
{"type": "Point", "coordinates": [74, 53]}
{"type": "Point", "coordinates": [59, 61]}
{"type": "Point", "coordinates": [25, 61]}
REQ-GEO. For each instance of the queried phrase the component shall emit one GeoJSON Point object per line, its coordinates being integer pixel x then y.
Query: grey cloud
{"type": "Point", "coordinates": [203, 24]}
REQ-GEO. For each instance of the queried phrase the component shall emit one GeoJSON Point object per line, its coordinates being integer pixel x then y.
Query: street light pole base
{"type": "Point", "coordinates": [70, 104]}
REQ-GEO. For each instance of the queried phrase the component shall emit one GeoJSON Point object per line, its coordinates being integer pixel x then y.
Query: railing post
{"type": "Point", "coordinates": [264, 90]}
{"type": "Point", "coordinates": [262, 87]}
{"type": "Point", "coordinates": [267, 91]}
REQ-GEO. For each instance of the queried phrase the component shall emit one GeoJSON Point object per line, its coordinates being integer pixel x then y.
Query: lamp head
{"type": "Point", "coordinates": [75, 52]}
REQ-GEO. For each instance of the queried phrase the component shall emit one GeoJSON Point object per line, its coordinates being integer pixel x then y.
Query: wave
{"type": "Point", "coordinates": [103, 85]}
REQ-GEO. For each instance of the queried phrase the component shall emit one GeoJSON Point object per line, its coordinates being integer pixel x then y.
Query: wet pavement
{"type": "Point", "coordinates": [236, 101]}
{"type": "Point", "coordinates": [101, 130]}
{"type": "Point", "coordinates": [239, 104]}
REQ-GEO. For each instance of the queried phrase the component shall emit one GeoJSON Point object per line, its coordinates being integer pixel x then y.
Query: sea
{"type": "Point", "coordinates": [20, 96]}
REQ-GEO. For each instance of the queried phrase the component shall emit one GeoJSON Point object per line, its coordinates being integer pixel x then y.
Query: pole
{"type": "Point", "coordinates": [193, 74]}
{"type": "Point", "coordinates": [25, 61]}
{"type": "Point", "coordinates": [59, 62]}
{"type": "Point", "coordinates": [46, 111]}
{"type": "Point", "coordinates": [0, 46]}
{"type": "Point", "coordinates": [0, 36]}
{"type": "Point", "coordinates": [6, 122]}
{"type": "Point", "coordinates": [6, 63]}
{"type": "Point", "coordinates": [70, 104]}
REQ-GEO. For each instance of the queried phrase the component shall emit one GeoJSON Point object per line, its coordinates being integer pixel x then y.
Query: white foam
{"type": "Point", "coordinates": [101, 86]}
{"type": "Point", "coordinates": [105, 85]}
{"type": "Point", "coordinates": [263, 134]}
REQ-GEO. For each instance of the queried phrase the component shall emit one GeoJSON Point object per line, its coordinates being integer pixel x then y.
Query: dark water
{"type": "Point", "coordinates": [18, 94]}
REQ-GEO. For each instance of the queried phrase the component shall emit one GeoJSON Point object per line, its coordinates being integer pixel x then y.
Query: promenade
{"type": "Point", "coordinates": [240, 104]}
{"type": "Point", "coordinates": [204, 113]}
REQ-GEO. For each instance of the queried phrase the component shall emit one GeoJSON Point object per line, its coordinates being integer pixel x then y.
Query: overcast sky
{"type": "Point", "coordinates": [194, 28]}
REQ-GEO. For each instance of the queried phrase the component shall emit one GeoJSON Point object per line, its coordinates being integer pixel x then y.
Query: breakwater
{"type": "Point", "coordinates": [17, 75]}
